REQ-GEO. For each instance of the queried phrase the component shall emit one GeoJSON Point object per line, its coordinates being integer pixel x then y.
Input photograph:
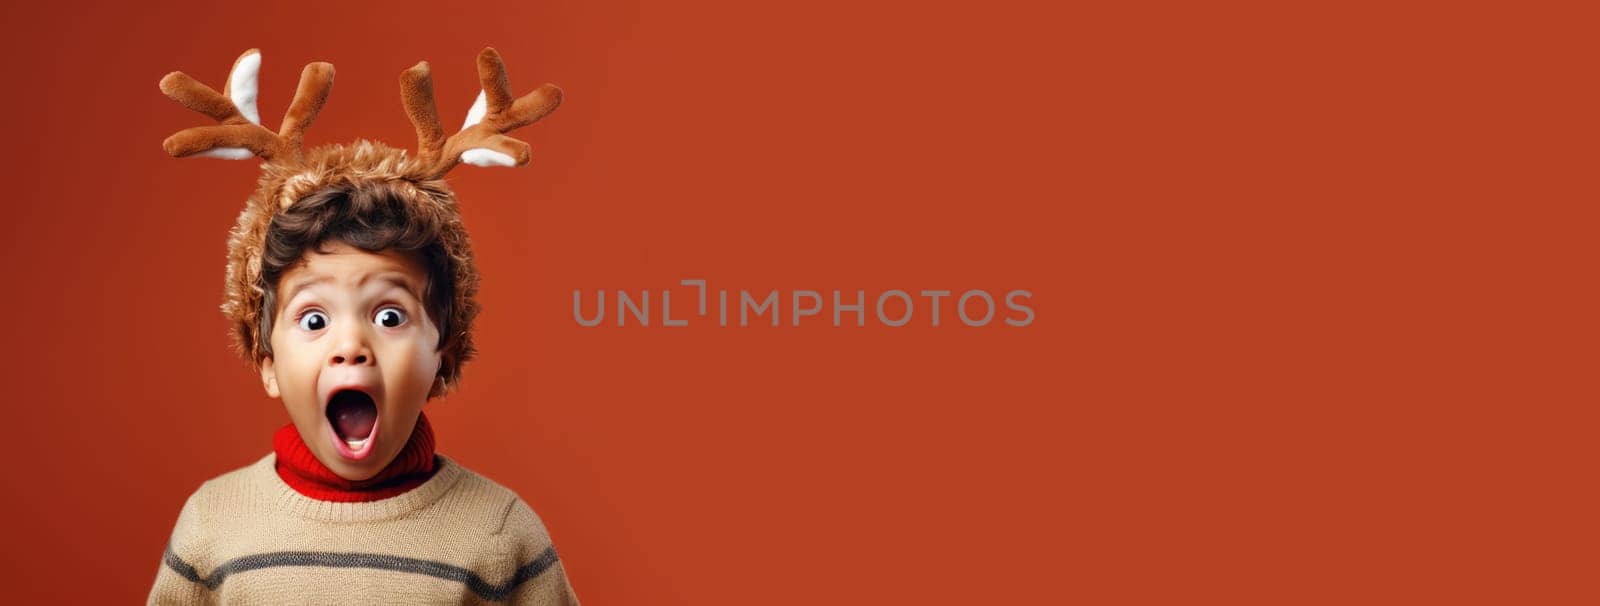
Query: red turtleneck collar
{"type": "Point", "coordinates": [306, 475]}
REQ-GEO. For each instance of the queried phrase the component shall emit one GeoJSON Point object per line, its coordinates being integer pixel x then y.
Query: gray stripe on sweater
{"type": "Point", "coordinates": [365, 560]}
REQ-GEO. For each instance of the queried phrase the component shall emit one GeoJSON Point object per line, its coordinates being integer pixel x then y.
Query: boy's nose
{"type": "Point", "coordinates": [352, 351]}
{"type": "Point", "coordinates": [357, 358]}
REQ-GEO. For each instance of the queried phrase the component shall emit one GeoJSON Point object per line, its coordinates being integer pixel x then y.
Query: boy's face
{"type": "Point", "coordinates": [354, 354]}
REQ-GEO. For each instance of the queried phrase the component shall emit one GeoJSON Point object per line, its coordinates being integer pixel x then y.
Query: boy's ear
{"type": "Point", "coordinates": [438, 387]}
{"type": "Point", "coordinates": [269, 378]}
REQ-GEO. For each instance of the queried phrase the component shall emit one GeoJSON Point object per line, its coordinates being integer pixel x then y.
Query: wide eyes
{"type": "Point", "coordinates": [313, 321]}
{"type": "Point", "coordinates": [388, 317]}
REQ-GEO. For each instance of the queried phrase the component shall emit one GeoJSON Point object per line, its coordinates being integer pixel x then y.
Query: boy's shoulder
{"type": "Point", "coordinates": [235, 486]}
{"type": "Point", "coordinates": [509, 513]}
{"type": "Point", "coordinates": [242, 479]}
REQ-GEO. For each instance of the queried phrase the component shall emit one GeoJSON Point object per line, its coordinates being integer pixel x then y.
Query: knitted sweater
{"type": "Point", "coordinates": [247, 537]}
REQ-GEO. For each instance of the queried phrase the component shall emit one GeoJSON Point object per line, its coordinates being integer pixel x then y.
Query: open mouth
{"type": "Point", "coordinates": [354, 417]}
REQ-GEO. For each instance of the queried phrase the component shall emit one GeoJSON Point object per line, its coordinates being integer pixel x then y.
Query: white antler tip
{"type": "Point", "coordinates": [242, 86]}
{"type": "Point", "coordinates": [227, 153]}
{"type": "Point", "coordinates": [479, 108]}
{"type": "Point", "coordinates": [483, 156]}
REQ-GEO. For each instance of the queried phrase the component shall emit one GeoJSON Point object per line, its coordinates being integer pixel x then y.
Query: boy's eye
{"type": "Point", "coordinates": [314, 321]}
{"type": "Point", "coordinates": [390, 317]}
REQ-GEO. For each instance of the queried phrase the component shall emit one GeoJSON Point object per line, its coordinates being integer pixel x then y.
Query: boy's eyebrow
{"type": "Point", "coordinates": [300, 284]}
{"type": "Point", "coordinates": [393, 277]}
{"type": "Point", "coordinates": [397, 279]}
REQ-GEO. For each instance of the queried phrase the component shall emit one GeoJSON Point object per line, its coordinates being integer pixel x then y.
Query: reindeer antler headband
{"type": "Point", "coordinates": [481, 141]}
{"type": "Point", "coordinates": [290, 173]}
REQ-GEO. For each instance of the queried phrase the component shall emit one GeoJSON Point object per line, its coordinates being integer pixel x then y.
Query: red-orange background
{"type": "Point", "coordinates": [1300, 275]}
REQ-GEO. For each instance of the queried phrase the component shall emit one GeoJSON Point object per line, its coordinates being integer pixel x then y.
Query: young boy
{"type": "Point", "coordinates": [351, 287]}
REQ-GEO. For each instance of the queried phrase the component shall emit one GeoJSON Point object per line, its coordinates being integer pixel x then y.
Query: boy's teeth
{"type": "Point", "coordinates": [356, 444]}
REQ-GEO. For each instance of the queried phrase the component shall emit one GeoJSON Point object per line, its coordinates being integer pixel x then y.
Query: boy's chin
{"type": "Point", "coordinates": [354, 471]}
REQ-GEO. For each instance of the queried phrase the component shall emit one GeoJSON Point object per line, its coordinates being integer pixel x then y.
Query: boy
{"type": "Point", "coordinates": [351, 287]}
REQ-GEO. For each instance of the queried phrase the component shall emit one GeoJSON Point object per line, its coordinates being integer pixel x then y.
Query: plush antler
{"type": "Point", "coordinates": [240, 133]}
{"type": "Point", "coordinates": [482, 140]}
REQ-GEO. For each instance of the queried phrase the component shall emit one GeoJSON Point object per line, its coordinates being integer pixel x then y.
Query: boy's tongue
{"type": "Point", "coordinates": [353, 414]}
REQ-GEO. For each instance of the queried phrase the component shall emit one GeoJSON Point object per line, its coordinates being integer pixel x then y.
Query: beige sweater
{"type": "Point", "coordinates": [246, 537]}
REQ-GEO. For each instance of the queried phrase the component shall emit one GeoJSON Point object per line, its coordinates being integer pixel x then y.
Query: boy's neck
{"type": "Point", "coordinates": [306, 475]}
